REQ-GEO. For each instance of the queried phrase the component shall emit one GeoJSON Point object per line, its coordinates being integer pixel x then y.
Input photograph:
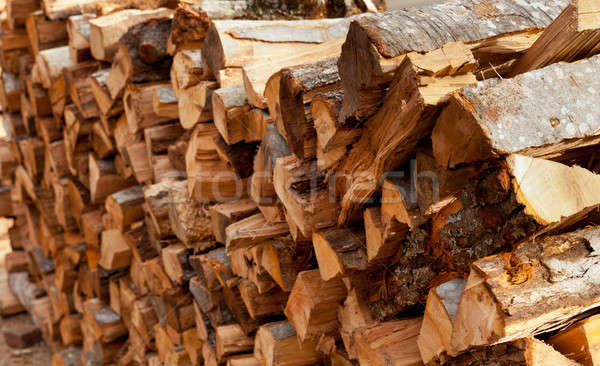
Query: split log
{"type": "Point", "coordinates": [106, 31]}
{"type": "Point", "coordinates": [523, 352]}
{"type": "Point", "coordinates": [125, 206]}
{"type": "Point", "coordinates": [229, 108]}
{"type": "Point", "coordinates": [106, 104]}
{"type": "Point", "coordinates": [572, 36]}
{"type": "Point", "coordinates": [138, 101]}
{"type": "Point", "coordinates": [578, 341]}
{"type": "Point", "coordinates": [62, 9]}
{"type": "Point", "coordinates": [365, 75]}
{"type": "Point", "coordinates": [141, 56]}
{"type": "Point", "coordinates": [231, 340]}
{"type": "Point", "coordinates": [276, 342]}
{"type": "Point", "coordinates": [305, 196]}
{"type": "Point", "coordinates": [393, 343]}
{"type": "Point", "coordinates": [235, 43]}
{"type": "Point", "coordinates": [18, 10]}
{"type": "Point", "coordinates": [165, 103]}
{"type": "Point", "coordinates": [298, 85]}
{"type": "Point", "coordinates": [383, 240]}
{"type": "Point", "coordinates": [257, 74]}
{"type": "Point", "coordinates": [224, 214]}
{"type": "Point", "coordinates": [391, 135]}
{"type": "Point", "coordinates": [195, 104]}
{"type": "Point", "coordinates": [189, 218]}
{"type": "Point", "coordinates": [43, 33]}
{"type": "Point", "coordinates": [186, 70]}
{"type": "Point", "coordinates": [312, 306]}
{"type": "Point", "coordinates": [251, 230]}
{"type": "Point", "coordinates": [438, 320]}
{"type": "Point", "coordinates": [480, 112]}
{"type": "Point", "coordinates": [339, 252]}
{"type": "Point", "coordinates": [104, 179]}
{"type": "Point", "coordinates": [78, 28]}
{"type": "Point", "coordinates": [11, 88]}
{"type": "Point", "coordinates": [536, 296]}
{"type": "Point", "coordinates": [80, 89]}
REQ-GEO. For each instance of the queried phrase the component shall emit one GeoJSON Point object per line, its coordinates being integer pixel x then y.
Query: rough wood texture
{"type": "Point", "coordinates": [376, 44]}
{"type": "Point", "coordinates": [390, 136]}
{"type": "Point", "coordinates": [572, 36]}
{"type": "Point", "coordinates": [554, 272]}
{"type": "Point", "coordinates": [106, 31]}
{"type": "Point", "coordinates": [483, 115]}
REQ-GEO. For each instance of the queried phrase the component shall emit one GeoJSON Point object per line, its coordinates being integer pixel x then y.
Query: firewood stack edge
{"type": "Point", "coordinates": [295, 183]}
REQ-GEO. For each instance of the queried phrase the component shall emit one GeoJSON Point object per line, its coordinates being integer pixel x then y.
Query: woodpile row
{"type": "Point", "coordinates": [295, 183]}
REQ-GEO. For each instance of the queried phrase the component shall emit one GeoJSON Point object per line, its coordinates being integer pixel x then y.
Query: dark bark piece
{"type": "Point", "coordinates": [21, 335]}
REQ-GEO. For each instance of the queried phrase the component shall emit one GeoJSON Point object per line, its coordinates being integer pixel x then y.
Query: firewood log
{"type": "Point", "coordinates": [165, 103]}
{"type": "Point", "coordinates": [438, 320]}
{"type": "Point", "coordinates": [62, 9]}
{"type": "Point", "coordinates": [186, 70]}
{"type": "Point", "coordinates": [339, 252]}
{"type": "Point", "coordinates": [138, 102]}
{"type": "Point", "coordinates": [297, 87]}
{"type": "Point", "coordinates": [141, 56]}
{"type": "Point", "coordinates": [577, 342]}
{"type": "Point", "coordinates": [106, 31]}
{"type": "Point", "coordinates": [395, 144]}
{"type": "Point", "coordinates": [78, 29]}
{"type": "Point", "coordinates": [276, 342]}
{"type": "Point", "coordinates": [229, 108]}
{"type": "Point", "coordinates": [257, 74]}
{"type": "Point", "coordinates": [537, 267]}
{"type": "Point", "coordinates": [224, 214]}
{"type": "Point", "coordinates": [250, 230]}
{"type": "Point", "coordinates": [104, 179]}
{"type": "Point", "coordinates": [312, 305]}
{"type": "Point", "coordinates": [18, 10]}
{"type": "Point", "coordinates": [526, 351]}
{"type": "Point", "coordinates": [365, 75]}
{"type": "Point", "coordinates": [382, 239]}
{"type": "Point", "coordinates": [305, 197]}
{"type": "Point", "coordinates": [505, 134]}
{"type": "Point", "coordinates": [44, 34]}
{"type": "Point", "coordinates": [14, 45]}
{"type": "Point", "coordinates": [11, 88]}
{"type": "Point", "coordinates": [573, 35]}
{"type": "Point", "coordinates": [231, 340]}
{"type": "Point", "coordinates": [224, 37]}
{"type": "Point", "coordinates": [80, 89]}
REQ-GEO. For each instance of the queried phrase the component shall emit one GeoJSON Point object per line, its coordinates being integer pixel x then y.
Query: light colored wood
{"type": "Point", "coordinates": [549, 203]}
{"type": "Point", "coordinates": [539, 130]}
{"type": "Point", "coordinates": [397, 137]}
{"type": "Point", "coordinates": [224, 214]}
{"type": "Point", "coordinates": [393, 343]}
{"type": "Point", "coordinates": [276, 344]}
{"type": "Point", "coordinates": [115, 251]}
{"type": "Point", "coordinates": [549, 286]}
{"type": "Point", "coordinates": [251, 230]}
{"type": "Point", "coordinates": [312, 306]}
{"type": "Point", "coordinates": [105, 31]}
{"type": "Point", "coordinates": [339, 252]}
{"type": "Point", "coordinates": [231, 340]}
{"type": "Point", "coordinates": [579, 341]}
{"type": "Point", "coordinates": [572, 36]}
{"type": "Point", "coordinates": [440, 312]}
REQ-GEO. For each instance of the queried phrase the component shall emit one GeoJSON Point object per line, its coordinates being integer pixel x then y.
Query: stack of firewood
{"type": "Point", "coordinates": [303, 182]}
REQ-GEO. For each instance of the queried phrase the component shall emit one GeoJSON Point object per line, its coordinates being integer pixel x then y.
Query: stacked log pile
{"type": "Point", "coordinates": [232, 182]}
